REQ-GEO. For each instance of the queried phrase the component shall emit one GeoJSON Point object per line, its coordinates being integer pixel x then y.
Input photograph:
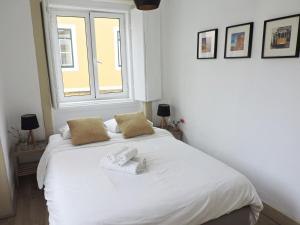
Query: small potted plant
{"type": "Point", "coordinates": [176, 123]}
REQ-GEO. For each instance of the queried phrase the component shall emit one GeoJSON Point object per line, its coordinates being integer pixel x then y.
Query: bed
{"type": "Point", "coordinates": [181, 186]}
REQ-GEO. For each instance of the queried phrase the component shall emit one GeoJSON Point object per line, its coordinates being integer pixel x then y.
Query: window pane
{"type": "Point", "coordinates": [64, 33]}
{"type": "Point", "coordinates": [67, 60]}
{"type": "Point", "coordinates": [65, 45]}
{"type": "Point", "coordinates": [74, 56]}
{"type": "Point", "coordinates": [108, 52]}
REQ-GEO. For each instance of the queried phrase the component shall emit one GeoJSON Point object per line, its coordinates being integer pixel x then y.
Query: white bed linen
{"type": "Point", "coordinates": [182, 185]}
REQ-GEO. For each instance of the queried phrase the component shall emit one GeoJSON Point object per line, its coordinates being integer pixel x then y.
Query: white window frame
{"type": "Point", "coordinates": [91, 53]}
{"type": "Point", "coordinates": [74, 46]}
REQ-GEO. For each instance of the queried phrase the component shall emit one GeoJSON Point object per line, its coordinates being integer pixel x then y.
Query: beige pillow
{"type": "Point", "coordinates": [133, 124]}
{"type": "Point", "coordinates": [89, 130]}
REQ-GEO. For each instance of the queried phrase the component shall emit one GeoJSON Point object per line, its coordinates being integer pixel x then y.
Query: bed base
{"type": "Point", "coordinates": [237, 217]}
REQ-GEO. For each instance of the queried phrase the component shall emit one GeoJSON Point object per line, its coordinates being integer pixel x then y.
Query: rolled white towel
{"type": "Point", "coordinates": [131, 167]}
{"type": "Point", "coordinates": [142, 162]}
{"type": "Point", "coordinates": [126, 155]}
{"type": "Point", "coordinates": [113, 154]}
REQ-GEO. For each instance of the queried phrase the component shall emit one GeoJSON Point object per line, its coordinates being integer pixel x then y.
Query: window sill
{"type": "Point", "coordinates": [96, 103]}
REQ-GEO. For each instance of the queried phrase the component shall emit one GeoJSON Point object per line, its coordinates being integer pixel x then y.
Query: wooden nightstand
{"type": "Point", "coordinates": [26, 158]}
{"type": "Point", "coordinates": [177, 133]}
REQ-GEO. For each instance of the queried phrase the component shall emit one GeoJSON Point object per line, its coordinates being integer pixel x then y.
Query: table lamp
{"type": "Point", "coordinates": [29, 122]}
{"type": "Point", "coordinates": [163, 111]}
{"type": "Point", "coordinates": [147, 4]}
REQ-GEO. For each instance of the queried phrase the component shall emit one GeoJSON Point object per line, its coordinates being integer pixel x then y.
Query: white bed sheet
{"type": "Point", "coordinates": [182, 185]}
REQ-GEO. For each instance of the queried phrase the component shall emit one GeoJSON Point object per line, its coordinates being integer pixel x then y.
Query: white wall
{"type": "Point", "coordinates": [7, 180]}
{"type": "Point", "coordinates": [242, 111]}
{"type": "Point", "coordinates": [19, 65]}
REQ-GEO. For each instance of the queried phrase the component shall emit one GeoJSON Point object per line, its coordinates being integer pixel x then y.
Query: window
{"type": "Point", "coordinates": [119, 48]}
{"type": "Point", "coordinates": [118, 58]}
{"type": "Point", "coordinates": [66, 47]}
{"type": "Point", "coordinates": [90, 55]}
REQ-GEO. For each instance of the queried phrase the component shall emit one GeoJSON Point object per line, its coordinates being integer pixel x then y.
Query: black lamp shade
{"type": "Point", "coordinates": [147, 4]}
{"type": "Point", "coordinates": [163, 110]}
{"type": "Point", "coordinates": [29, 122]}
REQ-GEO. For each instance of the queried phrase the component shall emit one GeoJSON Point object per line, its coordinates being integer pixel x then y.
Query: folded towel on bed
{"type": "Point", "coordinates": [113, 154]}
{"type": "Point", "coordinates": [126, 155]}
{"type": "Point", "coordinates": [135, 166]}
{"type": "Point", "coordinates": [141, 160]}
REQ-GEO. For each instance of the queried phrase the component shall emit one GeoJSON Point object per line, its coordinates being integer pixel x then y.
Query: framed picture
{"type": "Point", "coordinates": [238, 41]}
{"type": "Point", "coordinates": [207, 44]}
{"type": "Point", "coordinates": [281, 37]}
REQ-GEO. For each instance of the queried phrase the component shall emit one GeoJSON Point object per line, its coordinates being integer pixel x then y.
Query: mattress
{"type": "Point", "coordinates": [182, 185]}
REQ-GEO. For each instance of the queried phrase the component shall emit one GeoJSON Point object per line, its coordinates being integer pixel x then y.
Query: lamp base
{"type": "Point", "coordinates": [30, 139]}
{"type": "Point", "coordinates": [163, 123]}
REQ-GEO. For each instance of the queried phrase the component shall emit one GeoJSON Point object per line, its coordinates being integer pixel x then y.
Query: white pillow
{"type": "Point", "coordinates": [113, 127]}
{"type": "Point", "coordinates": [65, 132]}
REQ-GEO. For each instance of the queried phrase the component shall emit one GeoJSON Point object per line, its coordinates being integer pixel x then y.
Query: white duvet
{"type": "Point", "coordinates": [182, 185]}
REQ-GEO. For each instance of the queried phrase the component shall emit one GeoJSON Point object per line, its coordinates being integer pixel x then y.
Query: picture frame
{"type": "Point", "coordinates": [281, 38]}
{"type": "Point", "coordinates": [207, 44]}
{"type": "Point", "coordinates": [238, 41]}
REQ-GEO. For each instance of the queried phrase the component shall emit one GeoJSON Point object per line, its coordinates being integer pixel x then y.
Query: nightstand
{"type": "Point", "coordinates": [177, 133]}
{"type": "Point", "coordinates": [26, 158]}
